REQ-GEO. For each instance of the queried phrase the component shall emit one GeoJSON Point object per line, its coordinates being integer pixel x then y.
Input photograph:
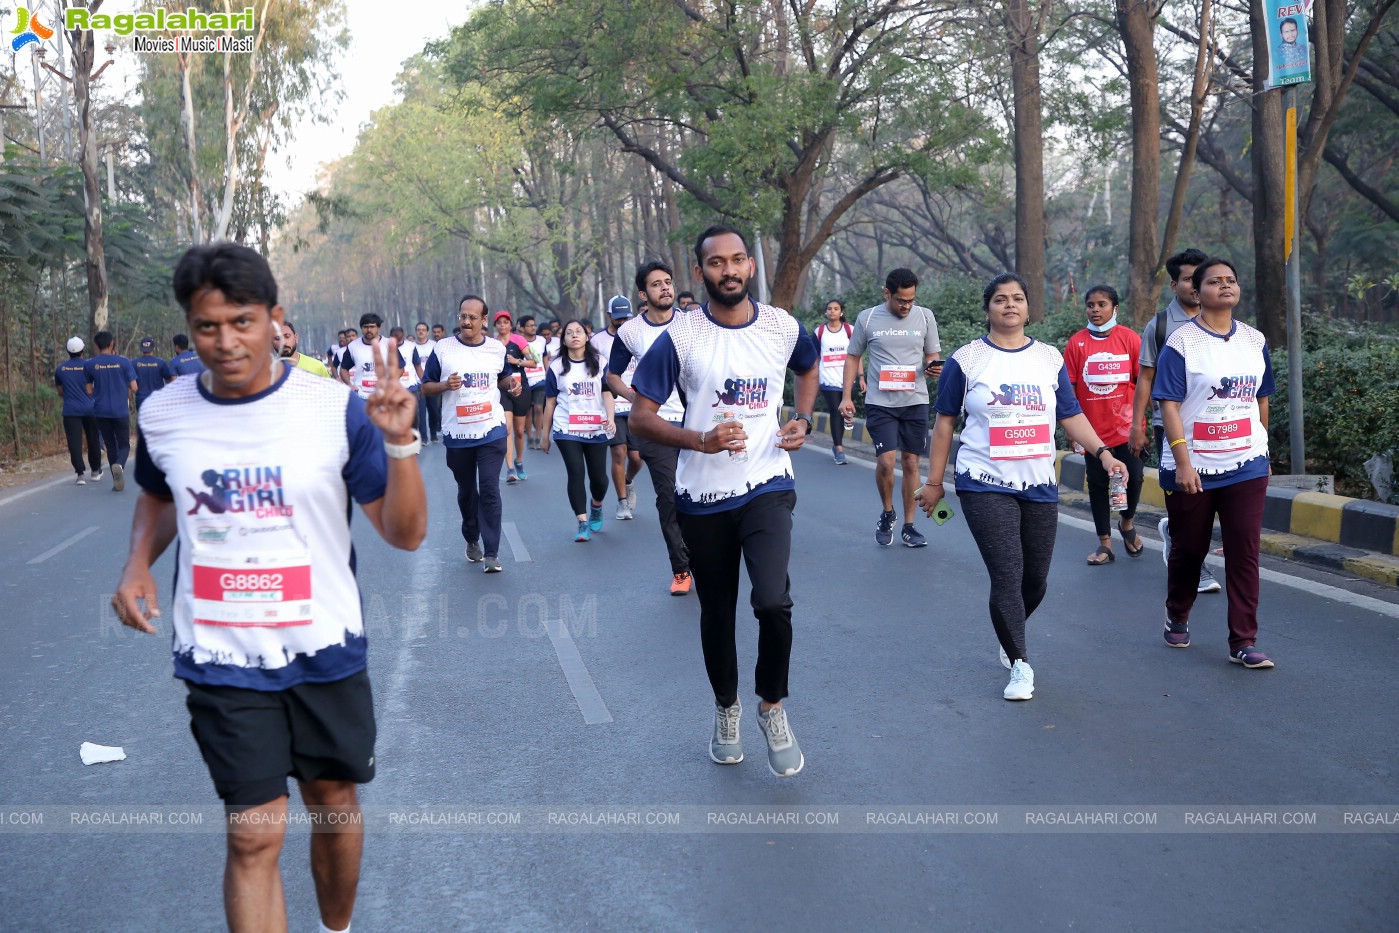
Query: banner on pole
{"type": "Point", "coordinates": [1288, 57]}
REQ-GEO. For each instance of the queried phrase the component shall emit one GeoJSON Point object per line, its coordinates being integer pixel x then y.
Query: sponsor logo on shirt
{"type": "Point", "coordinates": [477, 380]}
{"type": "Point", "coordinates": [583, 389]}
{"type": "Point", "coordinates": [743, 392]}
{"type": "Point", "coordinates": [1243, 388]}
{"type": "Point", "coordinates": [896, 333]}
{"type": "Point", "coordinates": [1028, 397]}
{"type": "Point", "coordinates": [255, 490]}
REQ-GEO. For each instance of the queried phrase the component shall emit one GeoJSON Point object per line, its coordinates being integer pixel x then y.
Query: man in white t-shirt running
{"type": "Point", "coordinates": [252, 467]}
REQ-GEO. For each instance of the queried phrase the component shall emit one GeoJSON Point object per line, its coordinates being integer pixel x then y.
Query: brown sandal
{"type": "Point", "coordinates": [1102, 551]}
{"type": "Point", "coordinates": [1127, 542]}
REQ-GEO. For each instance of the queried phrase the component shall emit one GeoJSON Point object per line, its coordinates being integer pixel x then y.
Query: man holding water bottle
{"type": "Point", "coordinates": [734, 489]}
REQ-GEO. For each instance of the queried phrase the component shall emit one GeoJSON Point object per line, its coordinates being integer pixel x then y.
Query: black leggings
{"type": "Point", "coordinates": [576, 455]}
{"type": "Point", "coordinates": [1098, 487]}
{"type": "Point", "coordinates": [75, 429]}
{"type": "Point", "coordinates": [832, 397]}
{"type": "Point", "coordinates": [1016, 540]}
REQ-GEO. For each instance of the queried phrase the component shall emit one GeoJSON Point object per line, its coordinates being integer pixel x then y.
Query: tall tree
{"type": "Point", "coordinates": [786, 115]}
{"type": "Point", "coordinates": [1023, 25]}
{"type": "Point", "coordinates": [83, 42]}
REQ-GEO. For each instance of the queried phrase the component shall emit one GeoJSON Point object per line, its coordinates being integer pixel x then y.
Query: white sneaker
{"type": "Point", "coordinates": [1022, 682]}
{"type": "Point", "coordinates": [785, 757]}
{"type": "Point", "coordinates": [1163, 528]}
{"type": "Point", "coordinates": [81, 480]}
{"type": "Point", "coordinates": [96, 475]}
{"type": "Point", "coordinates": [631, 496]}
{"type": "Point", "coordinates": [725, 748]}
{"type": "Point", "coordinates": [1005, 658]}
{"type": "Point", "coordinates": [118, 477]}
{"type": "Point", "coordinates": [623, 511]}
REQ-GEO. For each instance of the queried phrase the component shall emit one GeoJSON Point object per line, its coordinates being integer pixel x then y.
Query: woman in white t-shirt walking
{"type": "Point", "coordinates": [578, 410]}
{"type": "Point", "coordinates": [832, 338]}
{"type": "Point", "coordinates": [1213, 379]}
{"type": "Point", "coordinates": [1012, 389]}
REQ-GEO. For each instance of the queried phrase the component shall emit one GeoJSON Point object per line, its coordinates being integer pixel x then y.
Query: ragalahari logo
{"type": "Point", "coordinates": [28, 30]}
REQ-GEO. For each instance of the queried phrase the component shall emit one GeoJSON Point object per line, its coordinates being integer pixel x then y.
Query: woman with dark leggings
{"type": "Point", "coordinates": [831, 339]}
{"type": "Point", "coordinates": [1102, 363]}
{"type": "Point", "coordinates": [1012, 389]}
{"type": "Point", "coordinates": [578, 409]}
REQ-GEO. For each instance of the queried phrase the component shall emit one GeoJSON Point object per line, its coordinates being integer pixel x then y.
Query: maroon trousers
{"type": "Point", "coordinates": [1240, 510]}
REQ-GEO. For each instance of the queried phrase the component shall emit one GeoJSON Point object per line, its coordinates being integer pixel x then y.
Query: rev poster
{"type": "Point", "coordinates": [1288, 57]}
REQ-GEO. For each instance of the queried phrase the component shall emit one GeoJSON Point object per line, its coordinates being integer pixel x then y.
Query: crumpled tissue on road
{"type": "Point", "coordinates": [100, 754]}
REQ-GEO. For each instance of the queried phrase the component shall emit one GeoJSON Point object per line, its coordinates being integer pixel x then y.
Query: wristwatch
{"type": "Point", "coordinates": [1098, 454]}
{"type": "Point", "coordinates": [404, 451]}
{"type": "Point", "coordinates": [806, 418]}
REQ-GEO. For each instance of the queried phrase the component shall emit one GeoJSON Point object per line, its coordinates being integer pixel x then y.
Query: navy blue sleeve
{"type": "Point", "coordinates": [366, 471]}
{"type": "Point", "coordinates": [432, 372]}
{"type": "Point", "coordinates": [149, 476]}
{"type": "Point", "coordinates": [57, 381]}
{"type": "Point", "coordinates": [621, 358]}
{"type": "Point", "coordinates": [165, 373]}
{"type": "Point", "coordinates": [1065, 401]}
{"type": "Point", "coordinates": [551, 385]}
{"type": "Point", "coordinates": [1169, 384]}
{"type": "Point", "coordinates": [1266, 386]}
{"type": "Point", "coordinates": [659, 371]}
{"type": "Point", "coordinates": [804, 352]}
{"type": "Point", "coordinates": [952, 388]}
{"type": "Point", "coordinates": [347, 360]}
{"type": "Point", "coordinates": [128, 369]}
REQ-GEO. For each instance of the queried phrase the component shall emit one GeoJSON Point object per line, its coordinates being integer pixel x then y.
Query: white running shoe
{"type": "Point", "coordinates": [1005, 658]}
{"type": "Point", "coordinates": [631, 496]}
{"type": "Point", "coordinates": [624, 513]}
{"type": "Point", "coordinates": [1022, 682]}
{"type": "Point", "coordinates": [1163, 528]}
{"type": "Point", "coordinates": [785, 757]}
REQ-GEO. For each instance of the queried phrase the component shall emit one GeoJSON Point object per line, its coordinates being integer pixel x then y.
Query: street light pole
{"type": "Point", "coordinates": [1292, 254]}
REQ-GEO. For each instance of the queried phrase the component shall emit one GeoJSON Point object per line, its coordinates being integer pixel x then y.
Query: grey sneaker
{"type": "Point", "coordinates": [96, 475]}
{"type": "Point", "coordinates": [624, 513]}
{"type": "Point", "coordinates": [474, 554]}
{"type": "Point", "coordinates": [1208, 584]}
{"type": "Point", "coordinates": [493, 565]}
{"type": "Point", "coordinates": [1022, 682]}
{"type": "Point", "coordinates": [119, 483]}
{"type": "Point", "coordinates": [725, 748]}
{"type": "Point", "coordinates": [784, 755]}
{"type": "Point", "coordinates": [1163, 528]}
{"type": "Point", "coordinates": [631, 497]}
{"type": "Point", "coordinates": [82, 481]}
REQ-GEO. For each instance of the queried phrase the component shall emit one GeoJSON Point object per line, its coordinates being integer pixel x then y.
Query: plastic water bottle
{"type": "Point", "coordinates": [1117, 492]}
{"type": "Point", "coordinates": [735, 456]}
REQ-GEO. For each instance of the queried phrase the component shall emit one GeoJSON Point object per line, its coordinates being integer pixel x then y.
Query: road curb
{"type": "Point", "coordinates": [1361, 526]}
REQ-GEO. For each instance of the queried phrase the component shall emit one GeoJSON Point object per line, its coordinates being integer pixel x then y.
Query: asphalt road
{"type": "Point", "coordinates": [542, 741]}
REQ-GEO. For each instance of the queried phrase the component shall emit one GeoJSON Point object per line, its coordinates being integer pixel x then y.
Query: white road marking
{"type": "Point", "coordinates": [1323, 590]}
{"type": "Point", "coordinates": [585, 692]}
{"type": "Point", "coordinates": [71, 480]}
{"type": "Point", "coordinates": [517, 543]}
{"type": "Point", "coordinates": [61, 545]}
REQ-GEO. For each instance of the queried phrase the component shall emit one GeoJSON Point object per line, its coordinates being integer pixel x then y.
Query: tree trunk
{"type": "Point", "coordinates": [1134, 24]}
{"type": "Point", "coordinates": [196, 207]}
{"type": "Point", "coordinates": [1269, 272]}
{"type": "Point", "coordinates": [84, 52]}
{"type": "Point", "coordinates": [1023, 37]}
{"type": "Point", "coordinates": [1187, 162]}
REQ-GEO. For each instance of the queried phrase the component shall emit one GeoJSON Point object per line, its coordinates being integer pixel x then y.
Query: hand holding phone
{"type": "Point", "coordinates": [943, 512]}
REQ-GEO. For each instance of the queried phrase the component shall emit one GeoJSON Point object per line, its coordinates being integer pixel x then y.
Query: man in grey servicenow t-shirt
{"type": "Point", "coordinates": [899, 340]}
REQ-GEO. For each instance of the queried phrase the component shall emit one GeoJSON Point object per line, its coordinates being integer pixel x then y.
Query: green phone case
{"type": "Point", "coordinates": [942, 513]}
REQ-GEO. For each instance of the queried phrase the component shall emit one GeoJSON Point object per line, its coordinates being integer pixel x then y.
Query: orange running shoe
{"type": "Point", "coordinates": [680, 584]}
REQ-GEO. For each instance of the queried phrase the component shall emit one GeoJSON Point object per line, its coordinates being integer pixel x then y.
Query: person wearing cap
{"type": "Point", "coordinates": [516, 406]}
{"type": "Point", "coordinates": [185, 362]}
{"type": "Point", "coordinates": [113, 382]}
{"type": "Point", "coordinates": [626, 461]}
{"type": "Point", "coordinates": [152, 372]}
{"type": "Point", "coordinates": [75, 383]}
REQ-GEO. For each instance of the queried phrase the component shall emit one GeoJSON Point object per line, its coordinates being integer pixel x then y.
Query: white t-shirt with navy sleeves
{"type": "Point", "coordinates": [1012, 400]}
{"type": "Point", "coordinates": [265, 590]}
{"type": "Point", "coordinates": [1217, 382]}
{"type": "Point", "coordinates": [634, 339]}
{"type": "Point", "coordinates": [728, 373]}
{"type": "Point", "coordinates": [579, 412]}
{"type": "Point", "coordinates": [471, 415]}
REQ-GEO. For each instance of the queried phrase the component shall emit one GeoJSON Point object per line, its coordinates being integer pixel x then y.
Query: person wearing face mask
{"type": "Point", "coordinates": [1103, 364]}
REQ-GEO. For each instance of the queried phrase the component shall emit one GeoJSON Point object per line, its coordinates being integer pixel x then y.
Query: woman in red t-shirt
{"type": "Point", "coordinates": [1102, 360]}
